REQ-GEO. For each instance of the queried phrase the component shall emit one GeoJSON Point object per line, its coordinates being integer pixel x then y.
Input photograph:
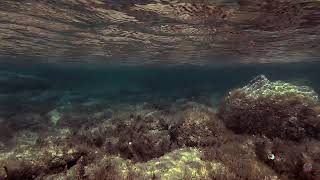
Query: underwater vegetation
{"type": "Point", "coordinates": [73, 108]}
{"type": "Point", "coordinates": [265, 130]}
{"type": "Point", "coordinates": [274, 109]}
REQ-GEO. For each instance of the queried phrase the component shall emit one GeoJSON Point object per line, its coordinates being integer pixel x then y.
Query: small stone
{"type": "Point", "coordinates": [271, 156]}
{"type": "Point", "coordinates": [307, 167]}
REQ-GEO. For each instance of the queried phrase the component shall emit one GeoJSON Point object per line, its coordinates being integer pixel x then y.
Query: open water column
{"type": "Point", "coordinates": [159, 89]}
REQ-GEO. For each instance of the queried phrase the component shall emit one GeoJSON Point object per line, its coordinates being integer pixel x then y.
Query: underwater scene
{"type": "Point", "coordinates": [159, 89]}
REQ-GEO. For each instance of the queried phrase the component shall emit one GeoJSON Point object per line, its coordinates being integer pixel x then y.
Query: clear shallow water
{"type": "Point", "coordinates": [88, 84]}
{"type": "Point", "coordinates": [53, 84]}
{"type": "Point", "coordinates": [64, 116]}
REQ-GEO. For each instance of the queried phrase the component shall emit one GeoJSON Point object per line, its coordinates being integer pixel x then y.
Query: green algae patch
{"type": "Point", "coordinates": [5, 155]}
{"type": "Point", "coordinates": [179, 164]}
{"type": "Point", "coordinates": [261, 87]}
{"type": "Point", "coordinates": [24, 162]}
{"type": "Point", "coordinates": [186, 163]}
{"type": "Point", "coordinates": [54, 117]}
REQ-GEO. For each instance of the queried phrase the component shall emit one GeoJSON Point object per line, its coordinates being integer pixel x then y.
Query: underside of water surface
{"type": "Point", "coordinates": [159, 89]}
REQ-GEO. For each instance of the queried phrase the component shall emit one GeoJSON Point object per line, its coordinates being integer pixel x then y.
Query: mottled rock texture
{"type": "Point", "coordinates": [274, 109]}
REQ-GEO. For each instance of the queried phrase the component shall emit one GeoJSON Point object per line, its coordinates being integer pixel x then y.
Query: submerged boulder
{"type": "Point", "coordinates": [273, 109]}
{"type": "Point", "coordinates": [185, 163]}
{"type": "Point", "coordinates": [49, 155]}
{"type": "Point", "coordinates": [199, 127]}
{"type": "Point", "coordinates": [138, 136]}
{"type": "Point", "coordinates": [150, 133]}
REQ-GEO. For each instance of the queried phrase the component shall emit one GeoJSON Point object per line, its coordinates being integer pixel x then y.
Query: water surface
{"type": "Point", "coordinates": [156, 31]}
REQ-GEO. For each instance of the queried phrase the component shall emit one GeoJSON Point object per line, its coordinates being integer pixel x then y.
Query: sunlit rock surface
{"type": "Point", "coordinates": [193, 32]}
{"type": "Point", "coordinates": [273, 109]}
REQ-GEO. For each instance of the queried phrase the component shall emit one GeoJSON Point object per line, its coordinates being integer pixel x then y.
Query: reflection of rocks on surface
{"type": "Point", "coordinates": [177, 31]}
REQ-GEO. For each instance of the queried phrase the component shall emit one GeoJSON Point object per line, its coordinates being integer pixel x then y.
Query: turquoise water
{"type": "Point", "coordinates": [74, 83]}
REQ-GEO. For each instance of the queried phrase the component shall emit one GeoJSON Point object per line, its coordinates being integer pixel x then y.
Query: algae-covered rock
{"type": "Point", "coordinates": [28, 162]}
{"type": "Point", "coordinates": [139, 136]}
{"type": "Point", "coordinates": [150, 133]}
{"type": "Point", "coordinates": [240, 158]}
{"type": "Point", "coordinates": [274, 109]}
{"type": "Point", "coordinates": [143, 136]}
{"type": "Point", "coordinates": [180, 164]}
{"type": "Point", "coordinates": [261, 87]}
{"type": "Point", "coordinates": [108, 167]}
{"type": "Point", "coordinates": [199, 127]}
